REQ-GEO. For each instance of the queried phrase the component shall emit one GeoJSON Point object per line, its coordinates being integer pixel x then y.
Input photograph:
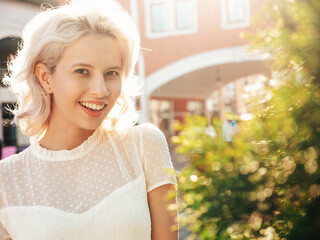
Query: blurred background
{"type": "Point", "coordinates": [194, 60]}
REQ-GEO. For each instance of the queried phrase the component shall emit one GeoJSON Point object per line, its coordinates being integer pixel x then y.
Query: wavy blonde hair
{"type": "Point", "coordinates": [44, 39]}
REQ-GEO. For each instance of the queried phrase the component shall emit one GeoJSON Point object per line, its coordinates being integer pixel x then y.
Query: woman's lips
{"type": "Point", "coordinates": [93, 113]}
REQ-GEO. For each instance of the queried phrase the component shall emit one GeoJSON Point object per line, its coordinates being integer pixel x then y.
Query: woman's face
{"type": "Point", "coordinates": [86, 82]}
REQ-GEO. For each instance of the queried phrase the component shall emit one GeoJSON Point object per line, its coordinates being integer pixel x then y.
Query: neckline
{"type": "Point", "coordinates": [63, 155]}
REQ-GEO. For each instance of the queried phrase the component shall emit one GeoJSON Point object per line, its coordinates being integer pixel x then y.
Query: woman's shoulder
{"type": "Point", "coordinates": [144, 128]}
{"type": "Point", "coordinates": [145, 132]}
{"type": "Point", "coordinates": [149, 132]}
{"type": "Point", "coordinates": [147, 128]}
{"type": "Point", "coordinates": [13, 158]}
{"type": "Point", "coordinates": [9, 162]}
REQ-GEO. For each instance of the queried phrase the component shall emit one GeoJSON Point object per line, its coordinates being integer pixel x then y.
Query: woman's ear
{"type": "Point", "coordinates": [43, 76]}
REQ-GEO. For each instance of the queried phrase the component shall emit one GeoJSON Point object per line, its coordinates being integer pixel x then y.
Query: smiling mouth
{"type": "Point", "coordinates": [92, 106]}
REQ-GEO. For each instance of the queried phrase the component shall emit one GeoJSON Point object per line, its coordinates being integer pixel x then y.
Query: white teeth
{"type": "Point", "coordinates": [92, 105]}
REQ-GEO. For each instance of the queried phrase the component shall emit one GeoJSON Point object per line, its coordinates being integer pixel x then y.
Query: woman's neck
{"type": "Point", "coordinates": [59, 138]}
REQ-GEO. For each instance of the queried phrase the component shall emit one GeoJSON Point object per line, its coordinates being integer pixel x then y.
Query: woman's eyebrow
{"type": "Point", "coordinates": [88, 65]}
{"type": "Point", "coordinates": [115, 67]}
{"type": "Point", "coordinates": [81, 64]}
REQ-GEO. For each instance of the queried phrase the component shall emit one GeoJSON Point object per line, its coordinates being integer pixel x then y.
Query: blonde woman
{"type": "Point", "coordinates": [88, 174]}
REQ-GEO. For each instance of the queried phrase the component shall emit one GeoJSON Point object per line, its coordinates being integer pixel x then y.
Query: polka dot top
{"type": "Point", "coordinates": [97, 190]}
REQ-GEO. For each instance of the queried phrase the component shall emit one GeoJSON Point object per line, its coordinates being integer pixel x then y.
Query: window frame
{"type": "Point", "coordinates": [173, 29]}
{"type": "Point", "coordinates": [151, 17]}
{"type": "Point", "coordinates": [225, 24]}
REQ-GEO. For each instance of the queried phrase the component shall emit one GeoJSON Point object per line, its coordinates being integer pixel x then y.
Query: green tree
{"type": "Point", "coordinates": [266, 183]}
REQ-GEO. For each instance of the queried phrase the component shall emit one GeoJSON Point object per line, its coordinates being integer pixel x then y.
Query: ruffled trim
{"type": "Point", "coordinates": [63, 155]}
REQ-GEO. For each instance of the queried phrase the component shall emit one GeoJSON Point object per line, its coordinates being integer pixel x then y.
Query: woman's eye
{"type": "Point", "coordinates": [82, 71]}
{"type": "Point", "coordinates": [112, 73]}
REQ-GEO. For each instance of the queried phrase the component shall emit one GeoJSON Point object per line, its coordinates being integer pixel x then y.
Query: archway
{"type": "Point", "coordinates": [233, 56]}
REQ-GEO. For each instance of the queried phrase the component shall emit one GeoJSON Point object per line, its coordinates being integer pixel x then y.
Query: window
{"type": "Point", "coordinates": [235, 13]}
{"type": "Point", "coordinates": [170, 17]}
{"type": "Point", "coordinates": [184, 19]}
{"type": "Point", "coordinates": [159, 18]}
{"type": "Point", "coordinates": [195, 107]}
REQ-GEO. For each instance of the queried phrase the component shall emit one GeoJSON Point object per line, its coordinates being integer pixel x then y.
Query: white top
{"type": "Point", "coordinates": [97, 190]}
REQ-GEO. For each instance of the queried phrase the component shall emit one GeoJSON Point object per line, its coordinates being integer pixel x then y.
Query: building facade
{"type": "Point", "coordinates": [194, 59]}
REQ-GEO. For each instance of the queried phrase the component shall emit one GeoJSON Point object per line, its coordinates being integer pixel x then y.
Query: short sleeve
{"type": "Point", "coordinates": [155, 157]}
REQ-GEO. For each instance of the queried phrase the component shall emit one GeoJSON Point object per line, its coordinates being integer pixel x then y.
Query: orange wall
{"type": "Point", "coordinates": [210, 36]}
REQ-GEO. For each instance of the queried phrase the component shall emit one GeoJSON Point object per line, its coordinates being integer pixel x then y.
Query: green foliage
{"type": "Point", "coordinates": [266, 183]}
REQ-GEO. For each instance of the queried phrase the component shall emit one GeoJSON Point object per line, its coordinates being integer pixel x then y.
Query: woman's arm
{"type": "Point", "coordinates": [164, 222]}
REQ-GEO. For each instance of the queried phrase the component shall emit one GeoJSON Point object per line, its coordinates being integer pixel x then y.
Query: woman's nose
{"type": "Point", "coordinates": [99, 87]}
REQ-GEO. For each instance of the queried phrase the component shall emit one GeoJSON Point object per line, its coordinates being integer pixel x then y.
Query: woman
{"type": "Point", "coordinates": [88, 173]}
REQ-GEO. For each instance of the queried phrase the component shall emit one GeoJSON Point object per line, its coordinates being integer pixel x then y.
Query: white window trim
{"type": "Point", "coordinates": [224, 16]}
{"type": "Point", "coordinates": [172, 31]}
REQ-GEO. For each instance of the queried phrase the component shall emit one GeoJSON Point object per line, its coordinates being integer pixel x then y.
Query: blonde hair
{"type": "Point", "coordinates": [44, 39]}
